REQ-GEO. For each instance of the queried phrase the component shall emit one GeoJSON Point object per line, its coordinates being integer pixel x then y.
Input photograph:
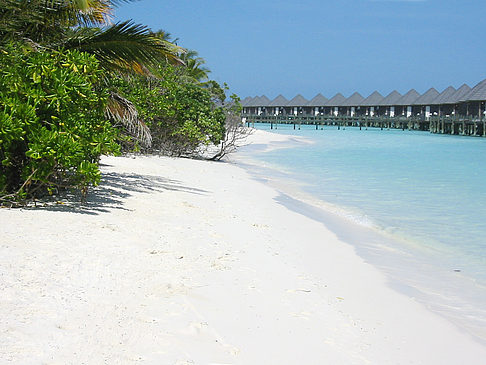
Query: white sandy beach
{"type": "Point", "coordinates": [177, 261]}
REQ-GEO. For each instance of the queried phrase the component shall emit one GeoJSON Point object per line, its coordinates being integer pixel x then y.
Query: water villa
{"type": "Point", "coordinates": [452, 111]}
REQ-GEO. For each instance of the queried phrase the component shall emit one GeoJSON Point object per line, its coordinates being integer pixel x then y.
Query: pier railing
{"type": "Point", "coordinates": [458, 125]}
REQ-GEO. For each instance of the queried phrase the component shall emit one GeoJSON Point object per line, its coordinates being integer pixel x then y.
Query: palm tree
{"type": "Point", "coordinates": [166, 36]}
{"type": "Point", "coordinates": [194, 67]}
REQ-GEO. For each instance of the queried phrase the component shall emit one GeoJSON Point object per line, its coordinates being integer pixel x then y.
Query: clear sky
{"type": "Point", "coordinates": [310, 46]}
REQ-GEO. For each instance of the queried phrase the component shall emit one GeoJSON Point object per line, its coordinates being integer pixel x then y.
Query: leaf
{"type": "Point", "coordinates": [124, 46]}
{"type": "Point", "coordinates": [36, 78]}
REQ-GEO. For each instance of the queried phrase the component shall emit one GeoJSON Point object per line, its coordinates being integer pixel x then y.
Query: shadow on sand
{"type": "Point", "coordinates": [114, 189]}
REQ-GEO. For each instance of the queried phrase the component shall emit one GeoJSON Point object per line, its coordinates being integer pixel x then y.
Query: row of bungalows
{"type": "Point", "coordinates": [464, 102]}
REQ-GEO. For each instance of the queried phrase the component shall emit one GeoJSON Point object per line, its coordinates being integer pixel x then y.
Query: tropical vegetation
{"type": "Point", "coordinates": [52, 125]}
{"type": "Point", "coordinates": [181, 116]}
{"type": "Point", "coordinates": [74, 86]}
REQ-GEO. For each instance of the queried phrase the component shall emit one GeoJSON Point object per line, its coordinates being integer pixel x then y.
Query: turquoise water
{"type": "Point", "coordinates": [424, 194]}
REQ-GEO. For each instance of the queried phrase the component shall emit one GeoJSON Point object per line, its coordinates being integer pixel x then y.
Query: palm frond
{"type": "Point", "coordinates": [95, 12]}
{"type": "Point", "coordinates": [194, 70]}
{"type": "Point", "coordinates": [166, 36]}
{"type": "Point", "coordinates": [121, 110]}
{"type": "Point", "coordinates": [120, 46]}
{"type": "Point", "coordinates": [47, 20]}
{"type": "Point", "coordinates": [116, 3]}
{"type": "Point", "coordinates": [25, 19]}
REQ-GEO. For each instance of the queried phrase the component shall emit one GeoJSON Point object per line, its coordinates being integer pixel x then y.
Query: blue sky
{"type": "Point", "coordinates": [310, 46]}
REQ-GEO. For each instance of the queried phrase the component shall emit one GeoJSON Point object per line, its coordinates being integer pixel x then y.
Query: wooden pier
{"type": "Point", "coordinates": [453, 111]}
{"type": "Point", "coordinates": [443, 125]}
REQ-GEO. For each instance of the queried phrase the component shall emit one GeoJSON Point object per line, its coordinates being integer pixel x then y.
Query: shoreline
{"type": "Point", "coordinates": [181, 261]}
{"type": "Point", "coordinates": [411, 269]}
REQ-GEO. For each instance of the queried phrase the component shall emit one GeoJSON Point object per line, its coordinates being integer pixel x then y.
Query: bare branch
{"type": "Point", "coordinates": [235, 136]}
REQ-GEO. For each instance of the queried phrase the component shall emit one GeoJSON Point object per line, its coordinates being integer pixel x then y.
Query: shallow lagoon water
{"type": "Point", "coordinates": [421, 197]}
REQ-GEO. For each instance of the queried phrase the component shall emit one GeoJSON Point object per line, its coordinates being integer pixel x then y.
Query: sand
{"type": "Point", "coordinates": [177, 261]}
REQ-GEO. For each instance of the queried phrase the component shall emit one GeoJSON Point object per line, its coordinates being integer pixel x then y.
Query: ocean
{"type": "Point", "coordinates": [418, 201]}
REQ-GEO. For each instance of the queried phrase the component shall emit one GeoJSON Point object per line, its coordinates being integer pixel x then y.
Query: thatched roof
{"type": "Point", "coordinates": [318, 100]}
{"type": "Point", "coordinates": [336, 100]}
{"type": "Point", "coordinates": [372, 100]}
{"type": "Point", "coordinates": [353, 100]}
{"type": "Point", "coordinates": [477, 93]}
{"type": "Point", "coordinates": [259, 101]}
{"type": "Point", "coordinates": [279, 101]}
{"type": "Point", "coordinates": [299, 100]}
{"type": "Point", "coordinates": [246, 101]}
{"type": "Point", "coordinates": [430, 97]}
{"type": "Point", "coordinates": [460, 94]}
{"type": "Point", "coordinates": [264, 101]}
{"type": "Point", "coordinates": [391, 98]}
{"type": "Point", "coordinates": [253, 101]}
{"type": "Point", "coordinates": [408, 98]}
{"type": "Point", "coordinates": [427, 98]}
{"type": "Point", "coordinates": [445, 96]}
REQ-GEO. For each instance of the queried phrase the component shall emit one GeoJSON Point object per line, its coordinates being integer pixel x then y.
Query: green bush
{"type": "Point", "coordinates": [181, 116]}
{"type": "Point", "coordinates": [52, 124]}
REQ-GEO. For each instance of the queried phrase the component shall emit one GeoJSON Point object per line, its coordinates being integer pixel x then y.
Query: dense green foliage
{"type": "Point", "coordinates": [52, 125]}
{"type": "Point", "coordinates": [74, 85]}
{"type": "Point", "coordinates": [182, 117]}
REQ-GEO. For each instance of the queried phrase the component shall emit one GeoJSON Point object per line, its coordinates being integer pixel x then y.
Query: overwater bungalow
{"type": "Point", "coordinates": [370, 104]}
{"type": "Point", "coordinates": [475, 100]}
{"type": "Point", "coordinates": [263, 103]}
{"type": "Point", "coordinates": [405, 104]}
{"type": "Point", "coordinates": [245, 105]}
{"type": "Point", "coordinates": [475, 103]}
{"type": "Point", "coordinates": [460, 107]}
{"type": "Point", "coordinates": [387, 106]}
{"type": "Point", "coordinates": [247, 108]}
{"type": "Point", "coordinates": [445, 101]}
{"type": "Point", "coordinates": [336, 104]}
{"type": "Point", "coordinates": [259, 104]}
{"type": "Point", "coordinates": [317, 105]}
{"type": "Point", "coordinates": [353, 104]}
{"type": "Point", "coordinates": [460, 111]}
{"type": "Point", "coordinates": [422, 106]}
{"type": "Point", "coordinates": [297, 105]}
{"type": "Point", "coordinates": [278, 106]}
